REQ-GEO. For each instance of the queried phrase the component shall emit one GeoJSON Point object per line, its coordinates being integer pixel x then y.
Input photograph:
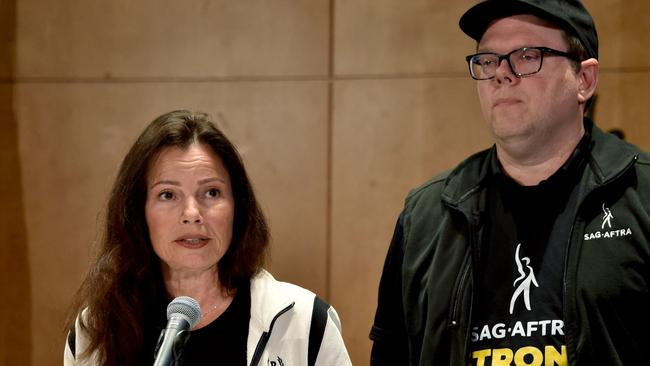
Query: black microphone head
{"type": "Point", "coordinates": [186, 307]}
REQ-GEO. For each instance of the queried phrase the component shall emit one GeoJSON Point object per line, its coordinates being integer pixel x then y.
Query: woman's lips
{"type": "Point", "coordinates": [192, 243]}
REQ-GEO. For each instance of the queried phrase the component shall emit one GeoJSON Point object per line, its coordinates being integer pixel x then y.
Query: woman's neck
{"type": "Point", "coordinates": [203, 286]}
{"type": "Point", "coordinates": [192, 282]}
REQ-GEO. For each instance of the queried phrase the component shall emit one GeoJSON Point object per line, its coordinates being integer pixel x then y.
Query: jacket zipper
{"type": "Point", "coordinates": [568, 250]}
{"type": "Point", "coordinates": [461, 285]}
{"type": "Point", "coordinates": [455, 310]}
{"type": "Point", "coordinates": [261, 344]}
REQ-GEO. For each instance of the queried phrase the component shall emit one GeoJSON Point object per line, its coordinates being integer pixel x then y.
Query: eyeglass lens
{"type": "Point", "coordinates": [523, 61]}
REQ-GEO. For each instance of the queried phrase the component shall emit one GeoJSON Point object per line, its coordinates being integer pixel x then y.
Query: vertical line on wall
{"type": "Point", "coordinates": [16, 334]}
{"type": "Point", "coordinates": [330, 127]}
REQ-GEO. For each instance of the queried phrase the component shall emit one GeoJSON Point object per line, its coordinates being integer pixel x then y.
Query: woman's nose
{"type": "Point", "coordinates": [191, 213]}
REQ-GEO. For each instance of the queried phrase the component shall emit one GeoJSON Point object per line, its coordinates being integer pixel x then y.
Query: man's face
{"type": "Point", "coordinates": [535, 109]}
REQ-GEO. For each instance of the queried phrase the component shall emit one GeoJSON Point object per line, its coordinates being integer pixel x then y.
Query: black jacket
{"type": "Point", "coordinates": [606, 278]}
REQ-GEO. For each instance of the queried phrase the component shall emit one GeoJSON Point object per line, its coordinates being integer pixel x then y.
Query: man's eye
{"type": "Point", "coordinates": [484, 61]}
{"type": "Point", "coordinates": [529, 57]}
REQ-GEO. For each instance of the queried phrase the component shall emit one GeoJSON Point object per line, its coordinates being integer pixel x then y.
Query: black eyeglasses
{"type": "Point", "coordinates": [522, 61]}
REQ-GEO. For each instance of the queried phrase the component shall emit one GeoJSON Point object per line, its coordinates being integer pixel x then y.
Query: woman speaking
{"type": "Point", "coordinates": [182, 220]}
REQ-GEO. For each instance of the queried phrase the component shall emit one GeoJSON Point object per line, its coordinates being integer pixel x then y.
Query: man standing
{"type": "Point", "coordinates": [454, 267]}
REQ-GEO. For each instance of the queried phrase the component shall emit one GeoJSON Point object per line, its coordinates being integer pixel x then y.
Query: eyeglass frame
{"type": "Point", "coordinates": [506, 57]}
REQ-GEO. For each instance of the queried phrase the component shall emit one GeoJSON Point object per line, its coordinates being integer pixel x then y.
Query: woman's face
{"type": "Point", "coordinates": [189, 208]}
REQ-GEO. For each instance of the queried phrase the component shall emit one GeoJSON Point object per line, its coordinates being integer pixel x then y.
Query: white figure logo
{"type": "Point", "coordinates": [526, 280]}
{"type": "Point", "coordinates": [607, 217]}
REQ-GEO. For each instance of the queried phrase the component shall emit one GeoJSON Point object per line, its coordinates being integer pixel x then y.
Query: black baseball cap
{"type": "Point", "coordinates": [570, 15]}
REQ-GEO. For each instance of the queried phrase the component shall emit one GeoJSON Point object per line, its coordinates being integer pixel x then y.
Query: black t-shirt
{"type": "Point", "coordinates": [222, 342]}
{"type": "Point", "coordinates": [517, 312]}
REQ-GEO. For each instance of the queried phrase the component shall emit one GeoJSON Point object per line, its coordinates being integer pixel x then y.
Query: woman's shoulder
{"type": "Point", "coordinates": [311, 317]}
{"type": "Point", "coordinates": [266, 289]}
{"type": "Point", "coordinates": [270, 298]}
{"type": "Point", "coordinates": [76, 343]}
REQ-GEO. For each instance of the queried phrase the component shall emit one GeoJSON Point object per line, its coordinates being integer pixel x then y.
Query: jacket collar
{"type": "Point", "coordinates": [265, 302]}
{"type": "Point", "coordinates": [609, 157]}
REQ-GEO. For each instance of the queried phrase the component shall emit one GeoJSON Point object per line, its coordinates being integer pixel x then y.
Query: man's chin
{"type": "Point", "coordinates": [508, 128]}
{"type": "Point", "coordinates": [512, 137]}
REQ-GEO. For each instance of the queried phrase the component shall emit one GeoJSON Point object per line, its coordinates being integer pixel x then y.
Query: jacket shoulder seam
{"type": "Point", "coordinates": [426, 185]}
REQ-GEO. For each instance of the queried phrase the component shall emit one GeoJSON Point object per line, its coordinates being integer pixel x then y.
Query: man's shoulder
{"type": "Point", "coordinates": [642, 168]}
{"type": "Point", "coordinates": [612, 154]}
{"type": "Point", "coordinates": [465, 174]}
{"type": "Point", "coordinates": [643, 158]}
{"type": "Point", "coordinates": [430, 186]}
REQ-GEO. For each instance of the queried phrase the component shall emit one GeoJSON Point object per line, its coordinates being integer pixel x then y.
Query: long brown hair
{"type": "Point", "coordinates": [123, 291]}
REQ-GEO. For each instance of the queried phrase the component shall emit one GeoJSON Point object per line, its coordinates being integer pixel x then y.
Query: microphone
{"type": "Point", "coordinates": [183, 313]}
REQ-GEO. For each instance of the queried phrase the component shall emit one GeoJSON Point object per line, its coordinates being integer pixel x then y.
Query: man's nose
{"type": "Point", "coordinates": [504, 72]}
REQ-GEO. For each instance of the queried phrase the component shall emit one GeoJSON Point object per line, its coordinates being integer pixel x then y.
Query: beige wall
{"type": "Point", "coordinates": [338, 107]}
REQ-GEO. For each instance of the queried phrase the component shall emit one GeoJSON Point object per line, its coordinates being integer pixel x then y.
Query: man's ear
{"type": "Point", "coordinates": [588, 77]}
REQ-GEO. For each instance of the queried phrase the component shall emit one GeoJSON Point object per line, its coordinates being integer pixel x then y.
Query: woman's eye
{"type": "Point", "coordinates": [165, 195]}
{"type": "Point", "coordinates": [213, 193]}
